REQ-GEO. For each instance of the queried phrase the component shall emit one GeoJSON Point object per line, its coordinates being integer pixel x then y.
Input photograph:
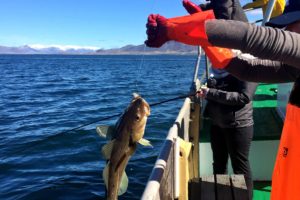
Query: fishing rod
{"type": "Point", "coordinates": [37, 142]}
{"type": "Point", "coordinates": [117, 115]}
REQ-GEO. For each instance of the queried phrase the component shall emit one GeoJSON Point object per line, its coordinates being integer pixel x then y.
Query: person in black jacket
{"type": "Point", "coordinates": [277, 60]}
{"type": "Point", "coordinates": [229, 105]}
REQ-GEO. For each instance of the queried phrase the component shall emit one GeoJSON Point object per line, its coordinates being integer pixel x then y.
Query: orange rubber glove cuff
{"type": "Point", "coordinates": [190, 29]}
{"type": "Point", "coordinates": [219, 57]}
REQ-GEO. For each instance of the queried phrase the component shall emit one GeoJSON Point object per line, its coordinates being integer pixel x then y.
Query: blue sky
{"type": "Point", "coordinates": [96, 23]}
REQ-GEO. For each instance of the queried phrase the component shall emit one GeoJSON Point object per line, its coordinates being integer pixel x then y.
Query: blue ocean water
{"type": "Point", "coordinates": [44, 95]}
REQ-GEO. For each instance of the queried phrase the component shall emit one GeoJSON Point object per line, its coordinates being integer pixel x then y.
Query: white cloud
{"type": "Point", "coordinates": [62, 47]}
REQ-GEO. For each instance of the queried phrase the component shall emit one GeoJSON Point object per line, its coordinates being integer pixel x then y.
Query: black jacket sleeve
{"type": "Point", "coordinates": [258, 70]}
{"type": "Point", "coordinates": [233, 98]}
{"type": "Point", "coordinates": [226, 9]}
{"type": "Point", "coordinates": [229, 103]}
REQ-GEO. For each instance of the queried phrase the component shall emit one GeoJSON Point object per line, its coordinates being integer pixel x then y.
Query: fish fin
{"type": "Point", "coordinates": [123, 184]}
{"type": "Point", "coordinates": [145, 142]}
{"type": "Point", "coordinates": [105, 175]}
{"type": "Point", "coordinates": [105, 131]}
{"type": "Point", "coordinates": [107, 149]}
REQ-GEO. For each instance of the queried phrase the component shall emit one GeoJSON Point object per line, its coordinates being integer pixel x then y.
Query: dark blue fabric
{"type": "Point", "coordinates": [290, 15]}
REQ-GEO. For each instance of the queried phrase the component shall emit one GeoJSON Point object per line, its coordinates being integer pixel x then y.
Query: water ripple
{"type": "Point", "coordinates": [42, 96]}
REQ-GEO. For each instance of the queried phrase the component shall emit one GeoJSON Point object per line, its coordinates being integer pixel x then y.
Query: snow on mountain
{"type": "Point", "coordinates": [48, 49]}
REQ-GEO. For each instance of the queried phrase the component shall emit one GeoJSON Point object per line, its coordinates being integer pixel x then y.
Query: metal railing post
{"type": "Point", "coordinates": [268, 13]}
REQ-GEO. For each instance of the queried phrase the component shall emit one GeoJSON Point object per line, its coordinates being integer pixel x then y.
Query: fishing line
{"type": "Point", "coordinates": [139, 69]}
{"type": "Point", "coordinates": [138, 77]}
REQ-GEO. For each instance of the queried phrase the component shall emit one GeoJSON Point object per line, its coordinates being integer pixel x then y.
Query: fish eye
{"type": "Point", "coordinates": [137, 117]}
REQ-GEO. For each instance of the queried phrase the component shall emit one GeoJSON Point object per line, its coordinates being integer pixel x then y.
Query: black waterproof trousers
{"type": "Point", "coordinates": [234, 142]}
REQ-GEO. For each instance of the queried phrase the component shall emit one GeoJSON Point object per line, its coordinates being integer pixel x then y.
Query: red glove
{"type": "Point", "coordinates": [219, 57]}
{"type": "Point", "coordinates": [188, 29]}
{"type": "Point", "coordinates": [191, 7]}
{"type": "Point", "coordinates": [157, 30]}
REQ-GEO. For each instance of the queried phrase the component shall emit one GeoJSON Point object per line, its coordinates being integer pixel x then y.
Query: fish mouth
{"type": "Point", "coordinates": [141, 103]}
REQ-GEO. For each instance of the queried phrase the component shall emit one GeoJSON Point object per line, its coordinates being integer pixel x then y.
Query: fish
{"type": "Point", "coordinates": [124, 138]}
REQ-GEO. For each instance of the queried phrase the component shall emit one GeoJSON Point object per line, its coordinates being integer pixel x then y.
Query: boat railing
{"type": "Point", "coordinates": [268, 13]}
{"type": "Point", "coordinates": [162, 183]}
{"type": "Point", "coordinates": [168, 179]}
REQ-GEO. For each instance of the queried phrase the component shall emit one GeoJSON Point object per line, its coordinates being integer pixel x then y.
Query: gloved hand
{"type": "Point", "coordinates": [211, 82]}
{"type": "Point", "coordinates": [188, 29]}
{"type": "Point", "coordinates": [157, 30]}
{"type": "Point", "coordinates": [202, 92]}
{"type": "Point", "coordinates": [191, 7]}
{"type": "Point", "coordinates": [219, 57]}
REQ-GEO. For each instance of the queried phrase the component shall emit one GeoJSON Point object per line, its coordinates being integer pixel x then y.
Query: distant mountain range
{"type": "Point", "coordinates": [168, 48]}
{"type": "Point", "coordinates": [27, 49]}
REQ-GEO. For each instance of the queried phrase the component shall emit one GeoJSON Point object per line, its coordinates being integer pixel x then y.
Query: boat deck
{"type": "Point", "coordinates": [229, 187]}
{"type": "Point", "coordinates": [262, 190]}
{"type": "Point", "coordinates": [267, 123]}
{"type": "Point", "coordinates": [212, 187]}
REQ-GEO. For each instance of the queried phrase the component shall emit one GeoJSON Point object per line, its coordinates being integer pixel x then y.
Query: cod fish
{"type": "Point", "coordinates": [125, 135]}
